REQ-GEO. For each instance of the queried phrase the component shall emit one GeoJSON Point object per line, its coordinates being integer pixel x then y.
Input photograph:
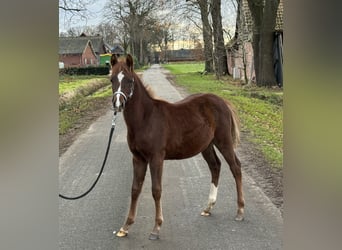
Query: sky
{"type": "Point", "coordinates": [228, 15]}
{"type": "Point", "coordinates": [96, 18]}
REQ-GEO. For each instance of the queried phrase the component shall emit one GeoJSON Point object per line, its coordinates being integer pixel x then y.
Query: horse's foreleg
{"type": "Point", "coordinates": [140, 167]}
{"type": "Point", "coordinates": [156, 168]}
{"type": "Point", "coordinates": [215, 167]}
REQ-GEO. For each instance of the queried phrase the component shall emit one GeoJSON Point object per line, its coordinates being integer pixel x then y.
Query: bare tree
{"type": "Point", "coordinates": [74, 10]}
{"type": "Point", "coordinates": [220, 54]}
{"type": "Point", "coordinates": [264, 14]}
{"type": "Point", "coordinates": [137, 18]}
{"type": "Point", "coordinates": [161, 35]}
{"type": "Point", "coordinates": [73, 5]}
{"type": "Point", "coordinates": [210, 14]}
{"type": "Point", "coordinates": [73, 32]}
{"type": "Point", "coordinates": [204, 11]}
{"type": "Point", "coordinates": [144, 23]}
{"type": "Point", "coordinates": [107, 31]}
{"type": "Point", "coordinates": [242, 38]}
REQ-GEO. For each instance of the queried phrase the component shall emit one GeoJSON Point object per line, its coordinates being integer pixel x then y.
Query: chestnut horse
{"type": "Point", "coordinates": [158, 130]}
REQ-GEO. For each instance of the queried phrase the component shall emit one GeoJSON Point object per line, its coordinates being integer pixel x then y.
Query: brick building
{"type": "Point", "coordinates": [75, 52]}
{"type": "Point", "coordinates": [81, 51]}
{"type": "Point", "coordinates": [241, 45]}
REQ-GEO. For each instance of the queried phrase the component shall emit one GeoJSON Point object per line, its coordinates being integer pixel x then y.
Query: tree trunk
{"type": "Point", "coordinates": [264, 20]}
{"type": "Point", "coordinates": [141, 57]}
{"type": "Point", "coordinates": [244, 61]}
{"type": "Point", "coordinates": [207, 36]}
{"type": "Point", "coordinates": [220, 55]}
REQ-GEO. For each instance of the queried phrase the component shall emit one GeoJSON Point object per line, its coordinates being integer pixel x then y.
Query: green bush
{"type": "Point", "coordinates": [98, 70]}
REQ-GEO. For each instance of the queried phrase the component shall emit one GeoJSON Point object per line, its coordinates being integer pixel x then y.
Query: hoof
{"type": "Point", "coordinates": [239, 217]}
{"type": "Point", "coordinates": [122, 233]}
{"type": "Point", "coordinates": [153, 236]}
{"type": "Point", "coordinates": [205, 214]}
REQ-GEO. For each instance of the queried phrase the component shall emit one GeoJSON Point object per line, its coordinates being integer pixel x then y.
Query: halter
{"type": "Point", "coordinates": [122, 94]}
{"type": "Point", "coordinates": [119, 92]}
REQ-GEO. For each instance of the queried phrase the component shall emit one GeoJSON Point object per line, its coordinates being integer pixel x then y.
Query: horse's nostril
{"type": "Point", "coordinates": [119, 100]}
{"type": "Point", "coordinates": [118, 104]}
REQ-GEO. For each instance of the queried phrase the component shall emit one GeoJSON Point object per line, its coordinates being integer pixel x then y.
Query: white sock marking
{"type": "Point", "coordinates": [212, 194]}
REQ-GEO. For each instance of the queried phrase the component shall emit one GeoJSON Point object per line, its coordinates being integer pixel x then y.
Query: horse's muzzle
{"type": "Point", "coordinates": [119, 101]}
{"type": "Point", "coordinates": [118, 109]}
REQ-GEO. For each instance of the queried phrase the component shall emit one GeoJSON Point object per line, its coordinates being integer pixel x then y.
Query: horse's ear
{"type": "Point", "coordinates": [129, 62]}
{"type": "Point", "coordinates": [113, 60]}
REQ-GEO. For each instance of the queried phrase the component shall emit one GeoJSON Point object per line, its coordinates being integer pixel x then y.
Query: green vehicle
{"type": "Point", "coordinates": [105, 59]}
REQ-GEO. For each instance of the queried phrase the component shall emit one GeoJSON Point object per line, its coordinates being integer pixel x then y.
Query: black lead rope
{"type": "Point", "coordinates": [103, 164]}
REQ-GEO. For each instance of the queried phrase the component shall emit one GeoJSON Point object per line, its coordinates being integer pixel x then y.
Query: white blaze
{"type": "Point", "coordinates": [120, 77]}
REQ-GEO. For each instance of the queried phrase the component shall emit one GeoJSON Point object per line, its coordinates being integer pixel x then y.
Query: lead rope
{"type": "Point", "coordinates": [103, 164]}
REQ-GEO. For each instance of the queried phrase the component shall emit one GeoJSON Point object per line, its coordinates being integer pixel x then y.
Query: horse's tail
{"type": "Point", "coordinates": [235, 124]}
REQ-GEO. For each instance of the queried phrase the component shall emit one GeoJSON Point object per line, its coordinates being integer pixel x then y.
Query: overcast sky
{"type": "Point", "coordinates": [95, 19]}
{"type": "Point", "coordinates": [228, 15]}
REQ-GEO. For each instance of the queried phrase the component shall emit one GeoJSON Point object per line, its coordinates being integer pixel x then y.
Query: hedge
{"type": "Point", "coordinates": [98, 70]}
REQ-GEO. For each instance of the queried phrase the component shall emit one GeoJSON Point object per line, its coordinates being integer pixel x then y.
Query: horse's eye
{"type": "Point", "coordinates": [113, 79]}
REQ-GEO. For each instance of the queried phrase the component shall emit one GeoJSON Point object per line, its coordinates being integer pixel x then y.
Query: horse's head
{"type": "Point", "coordinates": [122, 79]}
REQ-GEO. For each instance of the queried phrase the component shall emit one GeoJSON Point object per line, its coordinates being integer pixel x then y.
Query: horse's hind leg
{"type": "Point", "coordinates": [223, 141]}
{"type": "Point", "coordinates": [227, 150]}
{"type": "Point", "coordinates": [214, 166]}
{"type": "Point", "coordinates": [139, 173]}
{"type": "Point", "coordinates": [236, 170]}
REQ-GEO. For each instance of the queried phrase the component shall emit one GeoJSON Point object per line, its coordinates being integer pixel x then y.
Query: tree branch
{"type": "Point", "coordinates": [71, 9]}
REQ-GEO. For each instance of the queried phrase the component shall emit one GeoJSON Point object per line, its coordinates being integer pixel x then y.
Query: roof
{"type": "Point", "coordinates": [73, 45]}
{"type": "Point", "coordinates": [117, 49]}
{"type": "Point", "coordinates": [68, 44]}
{"type": "Point", "coordinates": [97, 42]}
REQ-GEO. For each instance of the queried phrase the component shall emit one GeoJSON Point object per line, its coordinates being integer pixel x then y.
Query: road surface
{"type": "Point", "coordinates": [89, 223]}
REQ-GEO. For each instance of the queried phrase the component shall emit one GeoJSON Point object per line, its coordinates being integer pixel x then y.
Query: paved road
{"type": "Point", "coordinates": [89, 223]}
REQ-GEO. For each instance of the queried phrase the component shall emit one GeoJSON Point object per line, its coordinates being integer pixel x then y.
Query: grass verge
{"type": "Point", "coordinates": [69, 83]}
{"type": "Point", "coordinates": [79, 96]}
{"type": "Point", "coordinates": [260, 109]}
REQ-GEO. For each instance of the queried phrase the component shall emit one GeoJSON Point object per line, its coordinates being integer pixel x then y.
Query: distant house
{"type": "Point", "coordinates": [99, 45]}
{"type": "Point", "coordinates": [235, 51]}
{"type": "Point", "coordinates": [75, 52]}
{"type": "Point", "coordinates": [118, 50]}
{"type": "Point", "coordinates": [81, 51]}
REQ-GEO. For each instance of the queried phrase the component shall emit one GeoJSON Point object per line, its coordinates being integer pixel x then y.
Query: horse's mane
{"type": "Point", "coordinates": [151, 92]}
